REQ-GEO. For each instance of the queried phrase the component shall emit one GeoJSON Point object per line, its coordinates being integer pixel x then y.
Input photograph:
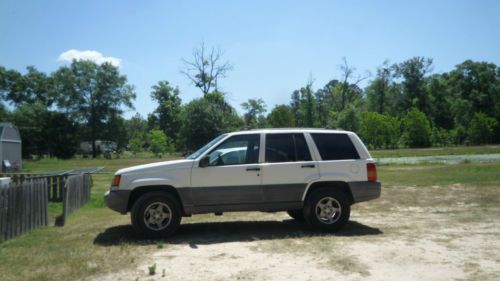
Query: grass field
{"type": "Point", "coordinates": [423, 206]}
{"type": "Point", "coordinates": [434, 151]}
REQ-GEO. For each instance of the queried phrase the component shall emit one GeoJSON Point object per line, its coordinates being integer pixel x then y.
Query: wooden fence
{"type": "Point", "coordinates": [55, 182]}
{"type": "Point", "coordinates": [24, 202]}
{"type": "Point", "coordinates": [23, 207]}
{"type": "Point", "coordinates": [76, 193]}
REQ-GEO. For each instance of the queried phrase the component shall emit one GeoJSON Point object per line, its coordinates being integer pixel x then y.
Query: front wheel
{"type": "Point", "coordinates": [327, 209]}
{"type": "Point", "coordinates": [156, 215]}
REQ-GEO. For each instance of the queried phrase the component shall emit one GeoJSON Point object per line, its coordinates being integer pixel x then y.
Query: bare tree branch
{"type": "Point", "coordinates": [348, 81]}
{"type": "Point", "coordinates": [205, 69]}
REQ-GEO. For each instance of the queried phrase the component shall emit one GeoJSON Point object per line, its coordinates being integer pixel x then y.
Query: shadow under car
{"type": "Point", "coordinates": [205, 233]}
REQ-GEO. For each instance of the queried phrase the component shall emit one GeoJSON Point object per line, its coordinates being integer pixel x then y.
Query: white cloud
{"type": "Point", "coordinates": [94, 56]}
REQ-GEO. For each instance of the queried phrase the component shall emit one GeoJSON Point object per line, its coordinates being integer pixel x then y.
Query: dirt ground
{"type": "Point", "coordinates": [432, 233]}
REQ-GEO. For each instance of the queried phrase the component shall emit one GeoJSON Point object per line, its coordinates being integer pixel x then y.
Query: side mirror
{"type": "Point", "coordinates": [204, 161]}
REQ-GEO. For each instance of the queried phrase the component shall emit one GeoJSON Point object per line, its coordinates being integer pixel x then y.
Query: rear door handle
{"type": "Point", "coordinates": [253, 169]}
{"type": "Point", "coordinates": [308, 166]}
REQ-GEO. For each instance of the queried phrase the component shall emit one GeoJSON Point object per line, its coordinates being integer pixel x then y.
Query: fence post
{"type": "Point", "coordinates": [3, 213]}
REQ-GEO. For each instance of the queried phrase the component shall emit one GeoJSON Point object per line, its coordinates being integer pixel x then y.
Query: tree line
{"type": "Point", "coordinates": [402, 105]}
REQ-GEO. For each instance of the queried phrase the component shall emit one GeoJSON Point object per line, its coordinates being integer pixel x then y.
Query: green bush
{"type": "Point", "coordinates": [137, 143]}
{"type": "Point", "coordinates": [441, 137]}
{"type": "Point", "coordinates": [281, 117]}
{"type": "Point", "coordinates": [459, 135]}
{"type": "Point", "coordinates": [379, 130]}
{"type": "Point", "coordinates": [160, 143]}
{"type": "Point", "coordinates": [482, 129]}
{"type": "Point", "coordinates": [349, 119]}
{"type": "Point", "coordinates": [416, 129]}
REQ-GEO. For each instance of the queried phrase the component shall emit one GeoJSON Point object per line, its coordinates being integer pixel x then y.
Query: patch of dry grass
{"type": "Point", "coordinates": [69, 252]}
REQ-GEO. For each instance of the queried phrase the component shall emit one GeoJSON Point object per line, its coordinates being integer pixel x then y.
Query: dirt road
{"type": "Point", "coordinates": [436, 233]}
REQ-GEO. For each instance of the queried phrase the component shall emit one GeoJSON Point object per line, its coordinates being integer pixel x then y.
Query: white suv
{"type": "Point", "coordinates": [313, 174]}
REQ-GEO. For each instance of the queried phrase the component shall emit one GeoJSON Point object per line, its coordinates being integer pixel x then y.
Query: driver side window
{"type": "Point", "coordinates": [236, 150]}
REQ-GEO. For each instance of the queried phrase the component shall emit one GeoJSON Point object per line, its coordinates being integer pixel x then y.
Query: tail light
{"type": "Point", "coordinates": [371, 170]}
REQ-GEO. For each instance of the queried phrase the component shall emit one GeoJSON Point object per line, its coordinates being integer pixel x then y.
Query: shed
{"type": "Point", "coordinates": [10, 147]}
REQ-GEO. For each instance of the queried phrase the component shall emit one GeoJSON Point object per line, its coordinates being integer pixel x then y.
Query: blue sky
{"type": "Point", "coordinates": [275, 46]}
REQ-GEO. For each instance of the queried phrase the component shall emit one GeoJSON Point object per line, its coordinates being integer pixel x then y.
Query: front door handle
{"type": "Point", "coordinates": [308, 166]}
{"type": "Point", "coordinates": [253, 169]}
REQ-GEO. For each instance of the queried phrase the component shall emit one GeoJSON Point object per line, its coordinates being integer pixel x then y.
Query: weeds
{"type": "Point", "coordinates": [152, 269]}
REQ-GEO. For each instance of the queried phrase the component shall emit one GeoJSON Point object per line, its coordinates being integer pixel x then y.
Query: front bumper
{"type": "Point", "coordinates": [365, 190]}
{"type": "Point", "coordinates": [117, 200]}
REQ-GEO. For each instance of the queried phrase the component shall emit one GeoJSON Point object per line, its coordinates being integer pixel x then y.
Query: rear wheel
{"type": "Point", "coordinates": [297, 214]}
{"type": "Point", "coordinates": [156, 215]}
{"type": "Point", "coordinates": [327, 209]}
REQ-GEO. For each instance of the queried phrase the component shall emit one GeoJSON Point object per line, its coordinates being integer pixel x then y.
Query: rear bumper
{"type": "Point", "coordinates": [365, 190]}
{"type": "Point", "coordinates": [117, 200]}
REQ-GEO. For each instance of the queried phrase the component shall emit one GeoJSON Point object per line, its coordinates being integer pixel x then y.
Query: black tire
{"type": "Point", "coordinates": [157, 204]}
{"type": "Point", "coordinates": [327, 209]}
{"type": "Point", "coordinates": [296, 214]}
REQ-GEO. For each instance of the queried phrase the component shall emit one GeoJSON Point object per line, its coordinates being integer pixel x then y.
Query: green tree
{"type": "Point", "coordinates": [441, 137]}
{"type": "Point", "coordinates": [381, 93]}
{"type": "Point", "coordinates": [4, 113]}
{"type": "Point", "coordinates": [137, 142]}
{"type": "Point", "coordinates": [324, 102]}
{"type": "Point", "coordinates": [416, 129]}
{"type": "Point", "coordinates": [414, 74]}
{"type": "Point", "coordinates": [476, 88]}
{"type": "Point", "coordinates": [92, 94]}
{"type": "Point", "coordinates": [262, 122]}
{"type": "Point", "coordinates": [379, 130]}
{"type": "Point", "coordinates": [441, 108]}
{"type": "Point", "coordinates": [205, 118]}
{"type": "Point", "coordinates": [255, 108]}
{"type": "Point", "coordinates": [34, 86]}
{"type": "Point", "coordinates": [295, 105]}
{"type": "Point", "coordinates": [307, 109]}
{"type": "Point", "coordinates": [160, 143]}
{"type": "Point", "coordinates": [136, 125]}
{"type": "Point", "coordinates": [31, 119]}
{"type": "Point", "coordinates": [349, 119]}
{"type": "Point", "coordinates": [281, 117]}
{"type": "Point", "coordinates": [348, 91]}
{"type": "Point", "coordinates": [482, 129]}
{"type": "Point", "coordinates": [60, 135]}
{"type": "Point", "coordinates": [44, 132]}
{"type": "Point", "coordinates": [167, 116]}
{"type": "Point", "coordinates": [114, 129]}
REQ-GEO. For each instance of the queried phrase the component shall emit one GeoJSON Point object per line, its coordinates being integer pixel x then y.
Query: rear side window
{"type": "Point", "coordinates": [286, 148]}
{"type": "Point", "coordinates": [335, 146]}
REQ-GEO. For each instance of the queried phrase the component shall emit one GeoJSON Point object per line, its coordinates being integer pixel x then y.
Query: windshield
{"type": "Point", "coordinates": [205, 148]}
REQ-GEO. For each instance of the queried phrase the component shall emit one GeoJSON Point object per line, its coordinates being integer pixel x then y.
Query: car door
{"type": "Point", "coordinates": [232, 176]}
{"type": "Point", "coordinates": [288, 167]}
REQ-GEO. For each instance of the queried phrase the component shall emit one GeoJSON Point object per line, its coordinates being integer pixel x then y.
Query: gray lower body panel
{"type": "Point", "coordinates": [275, 197]}
{"type": "Point", "coordinates": [365, 190]}
{"type": "Point", "coordinates": [224, 195]}
{"type": "Point", "coordinates": [261, 207]}
{"type": "Point", "coordinates": [284, 192]}
{"type": "Point", "coordinates": [117, 200]}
